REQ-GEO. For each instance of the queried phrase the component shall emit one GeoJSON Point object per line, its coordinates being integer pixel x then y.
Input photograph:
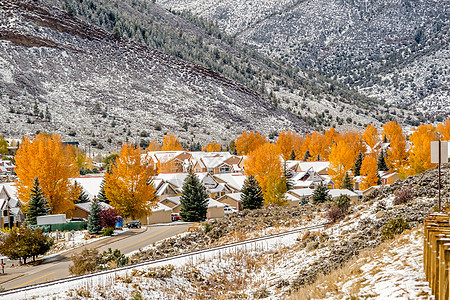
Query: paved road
{"type": "Point", "coordinates": [57, 267]}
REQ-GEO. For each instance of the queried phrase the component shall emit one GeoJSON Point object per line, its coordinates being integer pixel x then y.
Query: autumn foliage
{"type": "Point", "coordinates": [420, 152]}
{"type": "Point", "coordinates": [341, 161]}
{"type": "Point", "coordinates": [396, 155]}
{"type": "Point", "coordinates": [212, 147]}
{"type": "Point", "coordinates": [289, 141]}
{"type": "Point", "coordinates": [171, 143]}
{"type": "Point", "coordinates": [129, 186]}
{"type": "Point", "coordinates": [264, 164]}
{"type": "Point", "coordinates": [371, 136]}
{"type": "Point", "coordinates": [48, 159]}
{"type": "Point", "coordinates": [369, 172]}
{"type": "Point", "coordinates": [249, 141]}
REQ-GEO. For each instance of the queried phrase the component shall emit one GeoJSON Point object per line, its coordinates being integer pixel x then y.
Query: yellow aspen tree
{"type": "Point", "coordinates": [331, 137]}
{"type": "Point", "coordinates": [249, 141]}
{"type": "Point", "coordinates": [396, 154]}
{"type": "Point", "coordinates": [48, 159]}
{"type": "Point", "coordinates": [355, 142]}
{"type": "Point", "coordinates": [371, 136]}
{"type": "Point", "coordinates": [264, 164]}
{"type": "Point", "coordinates": [369, 172]}
{"type": "Point", "coordinates": [341, 161]}
{"type": "Point", "coordinates": [444, 130]}
{"type": "Point", "coordinates": [171, 143]}
{"type": "Point", "coordinates": [129, 186]}
{"type": "Point", "coordinates": [212, 147]}
{"type": "Point", "coordinates": [288, 141]}
{"type": "Point", "coordinates": [154, 146]}
{"type": "Point", "coordinates": [420, 152]}
{"type": "Point", "coordinates": [317, 146]}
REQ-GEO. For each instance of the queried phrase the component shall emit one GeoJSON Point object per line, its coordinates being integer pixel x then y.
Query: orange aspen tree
{"type": "Point", "coordinates": [264, 164]}
{"type": "Point", "coordinates": [48, 159]}
{"type": "Point", "coordinates": [171, 143]}
{"type": "Point", "coordinates": [249, 141]}
{"type": "Point", "coordinates": [289, 141]}
{"type": "Point", "coordinates": [371, 136]}
{"type": "Point", "coordinates": [212, 147]}
{"type": "Point", "coordinates": [444, 130]}
{"type": "Point", "coordinates": [154, 146]}
{"type": "Point", "coordinates": [369, 172]}
{"type": "Point", "coordinates": [129, 186]}
{"type": "Point", "coordinates": [396, 155]}
{"type": "Point", "coordinates": [420, 152]}
{"type": "Point", "coordinates": [317, 146]}
{"type": "Point", "coordinates": [331, 137]}
{"type": "Point", "coordinates": [355, 142]}
{"type": "Point", "coordinates": [341, 161]}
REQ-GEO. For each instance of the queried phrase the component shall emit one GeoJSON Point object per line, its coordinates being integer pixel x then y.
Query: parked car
{"type": "Point", "coordinates": [134, 224]}
{"type": "Point", "coordinates": [176, 217]}
{"type": "Point", "coordinates": [229, 210]}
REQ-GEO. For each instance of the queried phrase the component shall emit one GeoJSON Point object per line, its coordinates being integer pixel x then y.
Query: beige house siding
{"type": "Point", "coordinates": [230, 201]}
{"type": "Point", "coordinates": [161, 216]}
{"type": "Point", "coordinates": [215, 212]}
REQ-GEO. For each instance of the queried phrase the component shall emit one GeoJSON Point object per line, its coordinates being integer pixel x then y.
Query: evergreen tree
{"type": "Point", "coordinates": [381, 162]}
{"type": "Point", "coordinates": [194, 200]}
{"type": "Point", "coordinates": [385, 139]}
{"type": "Point", "coordinates": [38, 204]}
{"type": "Point", "coordinates": [252, 196]}
{"type": "Point", "coordinates": [94, 225]}
{"type": "Point", "coordinates": [48, 117]}
{"type": "Point", "coordinates": [320, 194]}
{"type": "Point", "coordinates": [307, 155]}
{"type": "Point", "coordinates": [83, 197]}
{"type": "Point", "coordinates": [347, 183]}
{"type": "Point", "coordinates": [101, 193]}
{"type": "Point", "coordinates": [292, 155]}
{"type": "Point", "coordinates": [357, 166]}
{"type": "Point", "coordinates": [36, 108]}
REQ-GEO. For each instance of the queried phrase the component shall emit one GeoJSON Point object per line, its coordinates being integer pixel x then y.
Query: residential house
{"type": "Point", "coordinates": [91, 185]}
{"type": "Point", "coordinates": [233, 199]}
{"type": "Point", "coordinates": [215, 208]}
{"type": "Point", "coordinates": [83, 210]}
{"type": "Point", "coordinates": [334, 193]}
{"type": "Point", "coordinates": [387, 177]}
{"type": "Point", "coordinates": [234, 181]}
{"type": "Point", "coordinates": [160, 214]}
{"type": "Point", "coordinates": [309, 179]}
{"type": "Point", "coordinates": [10, 206]}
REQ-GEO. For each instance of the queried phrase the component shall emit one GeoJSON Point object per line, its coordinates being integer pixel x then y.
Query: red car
{"type": "Point", "coordinates": [176, 217]}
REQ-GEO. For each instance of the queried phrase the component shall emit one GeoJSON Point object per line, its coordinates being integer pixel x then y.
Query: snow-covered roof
{"type": "Point", "coordinates": [175, 200]}
{"type": "Point", "coordinates": [214, 203]}
{"type": "Point", "coordinates": [234, 196]}
{"type": "Point", "coordinates": [87, 206]}
{"type": "Point", "coordinates": [90, 184]}
{"type": "Point", "coordinates": [317, 166]}
{"type": "Point", "coordinates": [235, 181]}
{"type": "Point", "coordinates": [176, 179]}
{"type": "Point", "coordinates": [301, 192]}
{"type": "Point", "coordinates": [161, 207]}
{"type": "Point", "coordinates": [337, 192]}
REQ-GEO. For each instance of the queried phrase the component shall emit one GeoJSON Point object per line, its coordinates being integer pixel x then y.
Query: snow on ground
{"type": "Point", "coordinates": [272, 268]}
{"type": "Point", "coordinates": [394, 270]}
{"type": "Point", "coordinates": [76, 239]}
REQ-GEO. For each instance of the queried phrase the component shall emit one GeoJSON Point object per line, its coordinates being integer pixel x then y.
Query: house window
{"type": "Point", "coordinates": [224, 169]}
{"type": "Point", "coordinates": [211, 171]}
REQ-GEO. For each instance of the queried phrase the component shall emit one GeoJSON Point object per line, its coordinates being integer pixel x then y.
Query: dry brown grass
{"type": "Point", "coordinates": [330, 283]}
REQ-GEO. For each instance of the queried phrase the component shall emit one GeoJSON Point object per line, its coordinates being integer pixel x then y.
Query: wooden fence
{"type": "Point", "coordinates": [436, 253]}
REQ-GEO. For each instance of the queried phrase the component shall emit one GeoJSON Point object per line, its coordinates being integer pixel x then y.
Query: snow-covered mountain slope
{"type": "Point", "coordinates": [97, 86]}
{"type": "Point", "coordinates": [397, 51]}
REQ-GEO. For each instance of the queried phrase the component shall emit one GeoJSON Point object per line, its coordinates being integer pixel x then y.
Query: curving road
{"type": "Point", "coordinates": [57, 267]}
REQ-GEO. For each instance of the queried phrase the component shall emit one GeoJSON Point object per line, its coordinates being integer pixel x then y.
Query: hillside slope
{"type": "Point", "coordinates": [100, 88]}
{"type": "Point", "coordinates": [397, 51]}
{"type": "Point", "coordinates": [318, 100]}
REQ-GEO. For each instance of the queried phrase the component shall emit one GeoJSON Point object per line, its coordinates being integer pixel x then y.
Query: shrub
{"type": "Point", "coordinates": [207, 228]}
{"type": "Point", "coordinates": [86, 262]}
{"type": "Point", "coordinates": [108, 231]}
{"type": "Point", "coordinates": [303, 201]}
{"type": "Point", "coordinates": [343, 203]}
{"type": "Point", "coordinates": [334, 213]}
{"type": "Point", "coordinates": [393, 227]}
{"type": "Point", "coordinates": [108, 217]}
{"type": "Point", "coordinates": [403, 196]}
{"type": "Point", "coordinates": [262, 293]}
